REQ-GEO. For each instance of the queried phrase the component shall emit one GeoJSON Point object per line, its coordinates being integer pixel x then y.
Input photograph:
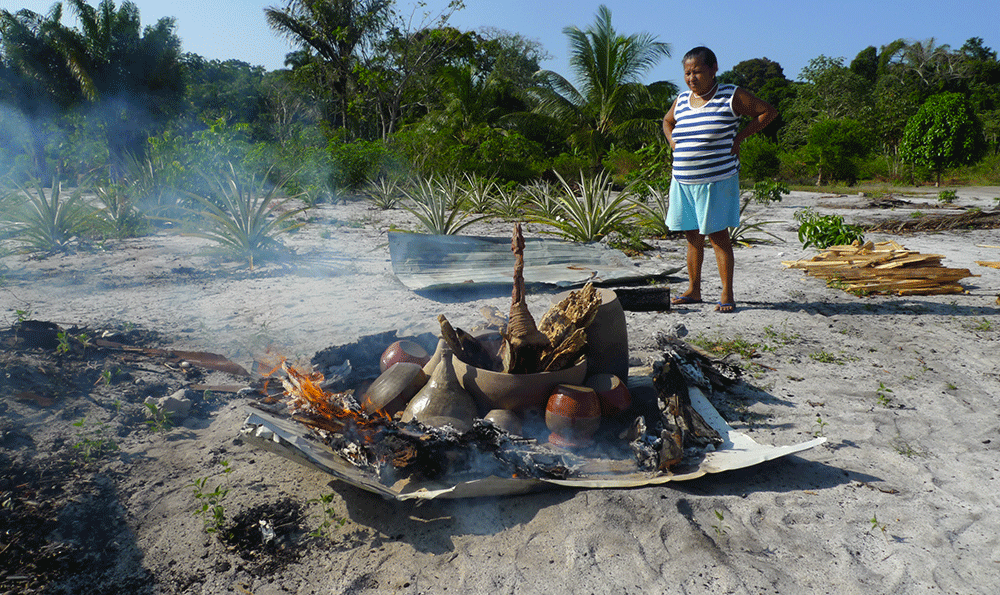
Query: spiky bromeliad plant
{"type": "Point", "coordinates": [47, 223]}
{"type": "Point", "coordinates": [436, 206]}
{"type": "Point", "coordinates": [244, 222]}
{"type": "Point", "coordinates": [588, 213]}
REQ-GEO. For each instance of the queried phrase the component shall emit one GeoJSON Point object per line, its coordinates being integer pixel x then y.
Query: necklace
{"type": "Point", "coordinates": [710, 91]}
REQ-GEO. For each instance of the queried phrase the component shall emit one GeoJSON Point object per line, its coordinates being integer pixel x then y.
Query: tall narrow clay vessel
{"type": "Point", "coordinates": [442, 398]}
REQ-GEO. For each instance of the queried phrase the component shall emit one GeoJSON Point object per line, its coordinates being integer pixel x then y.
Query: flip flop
{"type": "Point", "coordinates": [683, 299]}
{"type": "Point", "coordinates": [722, 307]}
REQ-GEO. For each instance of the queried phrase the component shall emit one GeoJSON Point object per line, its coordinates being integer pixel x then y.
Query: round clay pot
{"type": "Point", "coordinates": [403, 351]}
{"type": "Point", "coordinates": [394, 388]}
{"type": "Point", "coordinates": [612, 393]}
{"type": "Point", "coordinates": [573, 415]}
{"type": "Point", "coordinates": [517, 392]}
{"type": "Point", "coordinates": [607, 336]}
{"type": "Point", "coordinates": [506, 420]}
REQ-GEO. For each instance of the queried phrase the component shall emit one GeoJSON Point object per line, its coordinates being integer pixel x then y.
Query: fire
{"type": "Point", "coordinates": [326, 410]}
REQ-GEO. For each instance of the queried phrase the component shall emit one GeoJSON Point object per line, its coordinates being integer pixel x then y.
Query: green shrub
{"type": "Point", "coordinates": [946, 197]}
{"type": "Point", "coordinates": [823, 231]}
{"type": "Point", "coordinates": [357, 162]}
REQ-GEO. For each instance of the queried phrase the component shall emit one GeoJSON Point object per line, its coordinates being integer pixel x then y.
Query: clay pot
{"type": "Point", "coordinates": [394, 388]}
{"type": "Point", "coordinates": [611, 392]}
{"type": "Point", "coordinates": [573, 415]}
{"type": "Point", "coordinates": [442, 397]}
{"type": "Point", "coordinates": [607, 336]}
{"type": "Point", "coordinates": [517, 392]}
{"type": "Point", "coordinates": [403, 351]}
{"type": "Point", "coordinates": [506, 420]}
{"type": "Point", "coordinates": [435, 357]}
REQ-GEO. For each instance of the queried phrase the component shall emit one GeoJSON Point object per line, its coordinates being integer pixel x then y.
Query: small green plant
{"type": "Point", "coordinates": [764, 192]}
{"type": "Point", "coordinates": [93, 440]}
{"type": "Point", "coordinates": [820, 426]}
{"type": "Point", "coordinates": [587, 212]}
{"type": "Point", "coordinates": [383, 191]}
{"type": "Point", "coordinates": [723, 347]}
{"type": "Point", "coordinates": [478, 193]}
{"type": "Point", "coordinates": [438, 208]}
{"type": "Point", "coordinates": [882, 394]}
{"type": "Point", "coordinates": [984, 325]}
{"type": "Point", "coordinates": [159, 418]}
{"type": "Point", "coordinates": [210, 504]}
{"type": "Point", "coordinates": [22, 315]}
{"type": "Point", "coordinates": [916, 214]}
{"type": "Point", "coordinates": [781, 336]}
{"type": "Point", "coordinates": [508, 203]}
{"type": "Point", "coordinates": [946, 197]}
{"type": "Point", "coordinates": [105, 378]}
{"type": "Point", "coordinates": [63, 346]}
{"type": "Point", "coordinates": [825, 357]}
{"type": "Point", "coordinates": [876, 525]}
{"type": "Point", "coordinates": [823, 231]}
{"type": "Point", "coordinates": [331, 520]}
{"type": "Point", "coordinates": [650, 210]}
{"type": "Point", "coordinates": [720, 526]}
{"type": "Point", "coordinates": [119, 217]}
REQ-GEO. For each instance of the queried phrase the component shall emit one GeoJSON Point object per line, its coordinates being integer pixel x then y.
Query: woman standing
{"type": "Point", "coordinates": [701, 128]}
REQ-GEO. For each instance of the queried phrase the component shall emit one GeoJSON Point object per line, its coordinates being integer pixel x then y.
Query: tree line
{"type": "Point", "coordinates": [375, 88]}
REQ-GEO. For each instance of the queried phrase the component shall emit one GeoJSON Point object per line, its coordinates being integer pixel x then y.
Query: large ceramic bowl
{"type": "Point", "coordinates": [517, 392]}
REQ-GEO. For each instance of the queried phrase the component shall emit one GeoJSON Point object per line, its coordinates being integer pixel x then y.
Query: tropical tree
{"type": "Point", "coordinates": [834, 148]}
{"type": "Point", "coordinates": [132, 76]}
{"type": "Point", "coordinates": [611, 103]}
{"type": "Point", "coordinates": [332, 32]}
{"type": "Point", "coordinates": [943, 133]}
{"type": "Point", "coordinates": [36, 79]}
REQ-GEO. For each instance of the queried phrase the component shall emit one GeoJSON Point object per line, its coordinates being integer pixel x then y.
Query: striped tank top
{"type": "Point", "coordinates": [704, 137]}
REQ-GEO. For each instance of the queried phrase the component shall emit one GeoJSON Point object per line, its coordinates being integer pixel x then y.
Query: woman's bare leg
{"type": "Point", "coordinates": [695, 258]}
{"type": "Point", "coordinates": [726, 261]}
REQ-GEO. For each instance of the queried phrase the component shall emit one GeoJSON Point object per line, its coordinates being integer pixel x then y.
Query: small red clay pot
{"type": "Point", "coordinates": [573, 416]}
{"type": "Point", "coordinates": [403, 351]}
{"type": "Point", "coordinates": [612, 393]}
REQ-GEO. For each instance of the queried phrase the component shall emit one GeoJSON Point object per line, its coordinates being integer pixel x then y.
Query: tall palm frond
{"type": "Point", "coordinates": [608, 102]}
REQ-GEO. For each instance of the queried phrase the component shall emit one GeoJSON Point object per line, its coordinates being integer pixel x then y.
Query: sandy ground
{"type": "Point", "coordinates": [903, 498]}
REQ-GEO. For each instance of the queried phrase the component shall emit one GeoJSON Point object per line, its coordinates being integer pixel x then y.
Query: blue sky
{"type": "Point", "coordinates": [788, 32]}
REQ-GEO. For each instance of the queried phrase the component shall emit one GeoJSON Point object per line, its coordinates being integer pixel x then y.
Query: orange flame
{"type": "Point", "coordinates": [327, 410]}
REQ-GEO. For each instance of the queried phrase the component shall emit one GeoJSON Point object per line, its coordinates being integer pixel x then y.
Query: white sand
{"type": "Point", "coordinates": [925, 462]}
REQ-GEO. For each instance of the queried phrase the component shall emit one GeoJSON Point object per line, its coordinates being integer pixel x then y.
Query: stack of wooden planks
{"type": "Point", "coordinates": [883, 267]}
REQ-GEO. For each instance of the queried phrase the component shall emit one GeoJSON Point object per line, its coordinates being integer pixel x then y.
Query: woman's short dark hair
{"type": "Point", "coordinates": [703, 55]}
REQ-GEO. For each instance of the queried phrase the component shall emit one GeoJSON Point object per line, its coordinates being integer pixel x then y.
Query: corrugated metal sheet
{"type": "Point", "coordinates": [422, 262]}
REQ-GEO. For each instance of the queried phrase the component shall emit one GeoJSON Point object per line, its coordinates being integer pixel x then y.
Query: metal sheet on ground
{"type": "Point", "coordinates": [290, 439]}
{"type": "Point", "coordinates": [432, 262]}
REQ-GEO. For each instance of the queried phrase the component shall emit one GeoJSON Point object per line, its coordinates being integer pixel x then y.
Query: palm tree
{"type": "Point", "coordinates": [611, 103]}
{"type": "Point", "coordinates": [334, 30]}
{"type": "Point", "coordinates": [133, 76]}
{"type": "Point", "coordinates": [36, 79]}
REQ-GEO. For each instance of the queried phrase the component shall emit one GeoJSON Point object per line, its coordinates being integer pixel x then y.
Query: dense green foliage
{"type": "Point", "coordinates": [375, 93]}
{"type": "Point", "coordinates": [943, 133]}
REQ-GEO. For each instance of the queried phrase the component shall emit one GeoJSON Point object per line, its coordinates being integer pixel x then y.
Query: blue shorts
{"type": "Point", "coordinates": [707, 207]}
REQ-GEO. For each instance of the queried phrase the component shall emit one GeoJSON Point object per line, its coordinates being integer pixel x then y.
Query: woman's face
{"type": "Point", "coordinates": [699, 77]}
